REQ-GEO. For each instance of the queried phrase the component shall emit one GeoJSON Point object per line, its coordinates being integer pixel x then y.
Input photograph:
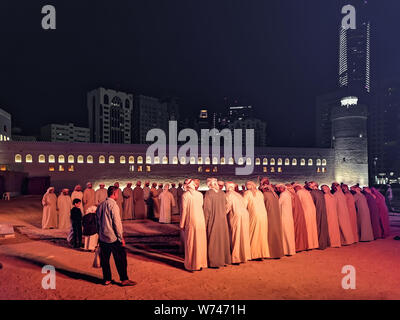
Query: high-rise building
{"type": "Point", "coordinates": [239, 113]}
{"type": "Point", "coordinates": [64, 133]}
{"type": "Point", "coordinates": [110, 116]}
{"type": "Point", "coordinates": [354, 52]}
{"type": "Point", "coordinates": [148, 113]}
{"type": "Point", "coordinates": [259, 126]}
{"type": "Point", "coordinates": [5, 126]}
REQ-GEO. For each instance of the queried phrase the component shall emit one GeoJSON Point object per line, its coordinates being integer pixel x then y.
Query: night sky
{"type": "Point", "coordinates": [276, 55]}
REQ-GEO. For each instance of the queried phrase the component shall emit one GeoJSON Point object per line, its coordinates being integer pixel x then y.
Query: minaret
{"type": "Point", "coordinates": [349, 134]}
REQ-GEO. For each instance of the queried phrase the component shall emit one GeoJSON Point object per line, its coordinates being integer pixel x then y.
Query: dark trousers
{"type": "Point", "coordinates": [119, 254]}
{"type": "Point", "coordinates": [77, 234]}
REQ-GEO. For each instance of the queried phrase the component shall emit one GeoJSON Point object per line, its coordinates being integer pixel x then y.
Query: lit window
{"type": "Point", "coordinates": [148, 168]}
{"type": "Point", "coordinates": [42, 158]}
{"type": "Point", "coordinates": [89, 159]}
{"type": "Point", "coordinates": [131, 160]}
{"type": "Point", "coordinates": [248, 162]}
{"type": "Point", "coordinates": [265, 169]}
{"type": "Point", "coordinates": [207, 160]}
{"type": "Point", "coordinates": [60, 168]}
{"type": "Point", "coordinates": [231, 162]}
{"type": "Point", "coordinates": [215, 160]}
{"type": "Point", "coordinates": [324, 170]}
{"type": "Point", "coordinates": [81, 159]}
{"type": "Point", "coordinates": [258, 161]}
{"type": "Point", "coordinates": [287, 162]}
{"type": "Point", "coordinates": [324, 162]}
{"type": "Point", "coordinates": [200, 169]}
{"type": "Point", "coordinates": [175, 160]}
{"type": "Point", "coordinates": [318, 162]}
{"type": "Point", "coordinates": [51, 168]}
{"type": "Point", "coordinates": [156, 160]}
{"type": "Point", "coordinates": [111, 159]}
{"type": "Point", "coordinates": [192, 160]}
{"type": "Point", "coordinates": [1, 137]}
{"type": "Point", "coordinates": [18, 158]}
{"type": "Point", "coordinates": [215, 169]}
{"type": "Point", "coordinates": [131, 168]}
{"type": "Point", "coordinates": [318, 170]}
{"type": "Point", "coordinates": [240, 161]}
{"type": "Point", "coordinates": [207, 170]}
{"type": "Point", "coordinates": [272, 162]}
{"type": "Point", "coordinates": [303, 162]}
{"type": "Point", "coordinates": [279, 169]}
{"type": "Point", "coordinates": [71, 159]}
{"type": "Point", "coordinates": [165, 160]}
{"type": "Point", "coordinates": [3, 168]}
{"type": "Point", "coordinates": [265, 161]}
{"type": "Point", "coordinates": [102, 159]}
{"type": "Point", "coordinates": [183, 160]}
{"type": "Point", "coordinates": [294, 162]}
{"type": "Point", "coordinates": [28, 158]}
{"type": "Point", "coordinates": [122, 160]}
{"type": "Point", "coordinates": [279, 162]}
{"type": "Point", "coordinates": [148, 160]}
{"type": "Point", "coordinates": [140, 169]}
{"type": "Point", "coordinates": [71, 168]}
{"type": "Point", "coordinates": [272, 169]}
{"type": "Point", "coordinates": [310, 162]}
{"type": "Point", "coordinates": [61, 159]}
{"type": "Point", "coordinates": [222, 160]}
{"type": "Point", "coordinates": [140, 159]}
{"type": "Point", "coordinates": [200, 160]}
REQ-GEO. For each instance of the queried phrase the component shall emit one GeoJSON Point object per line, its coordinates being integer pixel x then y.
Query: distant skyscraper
{"type": "Point", "coordinates": [110, 114]}
{"type": "Point", "coordinates": [354, 52]}
{"type": "Point", "coordinates": [64, 133]}
{"type": "Point", "coordinates": [239, 113]}
{"type": "Point", "coordinates": [5, 126]}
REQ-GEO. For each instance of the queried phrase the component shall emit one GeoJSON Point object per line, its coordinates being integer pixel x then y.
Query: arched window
{"type": "Point", "coordinates": [175, 160]}
{"type": "Point", "coordinates": [183, 160]}
{"type": "Point", "coordinates": [42, 158]}
{"type": "Point", "coordinates": [265, 162]}
{"type": "Point", "coordinates": [131, 160]}
{"type": "Point", "coordinates": [140, 159]}
{"type": "Point", "coordinates": [52, 158]}
{"type": "Point", "coordinates": [294, 162]}
{"type": "Point", "coordinates": [287, 162]}
{"type": "Point", "coordinates": [18, 158]}
{"type": "Point", "coordinates": [207, 160]}
{"type": "Point", "coordinates": [222, 161]}
{"type": "Point", "coordinates": [80, 159]}
{"type": "Point", "coordinates": [310, 162]}
{"type": "Point", "coordinates": [28, 158]}
{"type": "Point", "coordinates": [165, 160]}
{"type": "Point", "coordinates": [122, 160]}
{"type": "Point", "coordinates": [240, 162]}
{"type": "Point", "coordinates": [106, 99]}
{"type": "Point", "coordinates": [248, 162]}
{"type": "Point", "coordinates": [318, 162]}
{"type": "Point", "coordinates": [156, 160]}
{"type": "Point", "coordinates": [148, 160]}
{"type": "Point", "coordinates": [303, 162]}
{"type": "Point", "coordinates": [230, 161]}
{"type": "Point", "coordinates": [89, 159]}
{"type": "Point", "coordinates": [102, 159]}
{"type": "Point", "coordinates": [200, 160]}
{"type": "Point", "coordinates": [111, 159]}
{"type": "Point", "coordinates": [192, 160]}
{"type": "Point", "coordinates": [272, 162]}
{"type": "Point", "coordinates": [71, 159]}
{"type": "Point", "coordinates": [215, 160]}
{"type": "Point", "coordinates": [324, 162]}
{"type": "Point", "coordinates": [279, 161]}
{"type": "Point", "coordinates": [61, 159]}
{"type": "Point", "coordinates": [258, 161]}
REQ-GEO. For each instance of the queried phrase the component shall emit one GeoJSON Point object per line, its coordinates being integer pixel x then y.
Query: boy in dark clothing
{"type": "Point", "coordinates": [76, 221]}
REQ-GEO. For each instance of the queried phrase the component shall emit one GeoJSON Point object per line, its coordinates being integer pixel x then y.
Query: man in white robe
{"type": "Point", "coordinates": [194, 227]}
{"type": "Point", "coordinates": [147, 198]}
{"type": "Point", "coordinates": [167, 202]}
{"type": "Point", "coordinates": [238, 218]}
{"type": "Point", "coordinates": [127, 213]}
{"type": "Point", "coordinates": [286, 210]}
{"type": "Point", "coordinates": [64, 205]}
{"type": "Point", "coordinates": [120, 199]}
{"type": "Point", "coordinates": [310, 215]}
{"type": "Point", "coordinates": [101, 194]}
{"type": "Point", "coordinates": [89, 196]}
{"type": "Point", "coordinates": [49, 203]}
{"type": "Point", "coordinates": [174, 192]}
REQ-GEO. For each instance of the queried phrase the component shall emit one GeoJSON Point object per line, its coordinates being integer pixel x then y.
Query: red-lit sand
{"type": "Point", "coordinates": [155, 264]}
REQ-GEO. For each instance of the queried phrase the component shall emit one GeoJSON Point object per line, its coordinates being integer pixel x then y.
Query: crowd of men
{"type": "Point", "coordinates": [231, 226]}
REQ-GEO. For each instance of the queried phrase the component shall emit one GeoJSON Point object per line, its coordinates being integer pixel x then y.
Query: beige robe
{"type": "Point", "coordinates": [64, 205]}
{"type": "Point", "coordinates": [238, 218]}
{"type": "Point", "coordinates": [101, 195]}
{"type": "Point", "coordinates": [89, 198]}
{"type": "Point", "coordinates": [120, 201]}
{"type": "Point", "coordinates": [175, 208]}
{"type": "Point", "coordinates": [310, 214]}
{"type": "Point", "coordinates": [127, 213]}
{"type": "Point", "coordinates": [333, 220]}
{"type": "Point", "coordinates": [167, 201]}
{"type": "Point", "coordinates": [49, 218]}
{"type": "Point", "coordinates": [194, 226]}
{"type": "Point", "coordinates": [258, 224]}
{"type": "Point", "coordinates": [346, 230]}
{"type": "Point", "coordinates": [78, 195]}
{"type": "Point", "coordinates": [156, 203]}
{"type": "Point", "coordinates": [288, 234]}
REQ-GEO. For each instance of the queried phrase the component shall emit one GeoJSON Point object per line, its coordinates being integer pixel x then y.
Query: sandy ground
{"type": "Point", "coordinates": [155, 263]}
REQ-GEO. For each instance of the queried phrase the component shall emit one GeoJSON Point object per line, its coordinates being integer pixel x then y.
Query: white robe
{"type": "Point", "coordinates": [238, 218]}
{"type": "Point", "coordinates": [310, 215]}
{"type": "Point", "coordinates": [89, 196]}
{"type": "Point", "coordinates": [78, 195]}
{"type": "Point", "coordinates": [101, 195]}
{"type": "Point", "coordinates": [288, 234]}
{"type": "Point", "coordinates": [258, 224]}
{"type": "Point", "coordinates": [49, 218]}
{"type": "Point", "coordinates": [64, 205]}
{"type": "Point", "coordinates": [175, 208]}
{"type": "Point", "coordinates": [195, 236]}
{"type": "Point", "coordinates": [167, 201]}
